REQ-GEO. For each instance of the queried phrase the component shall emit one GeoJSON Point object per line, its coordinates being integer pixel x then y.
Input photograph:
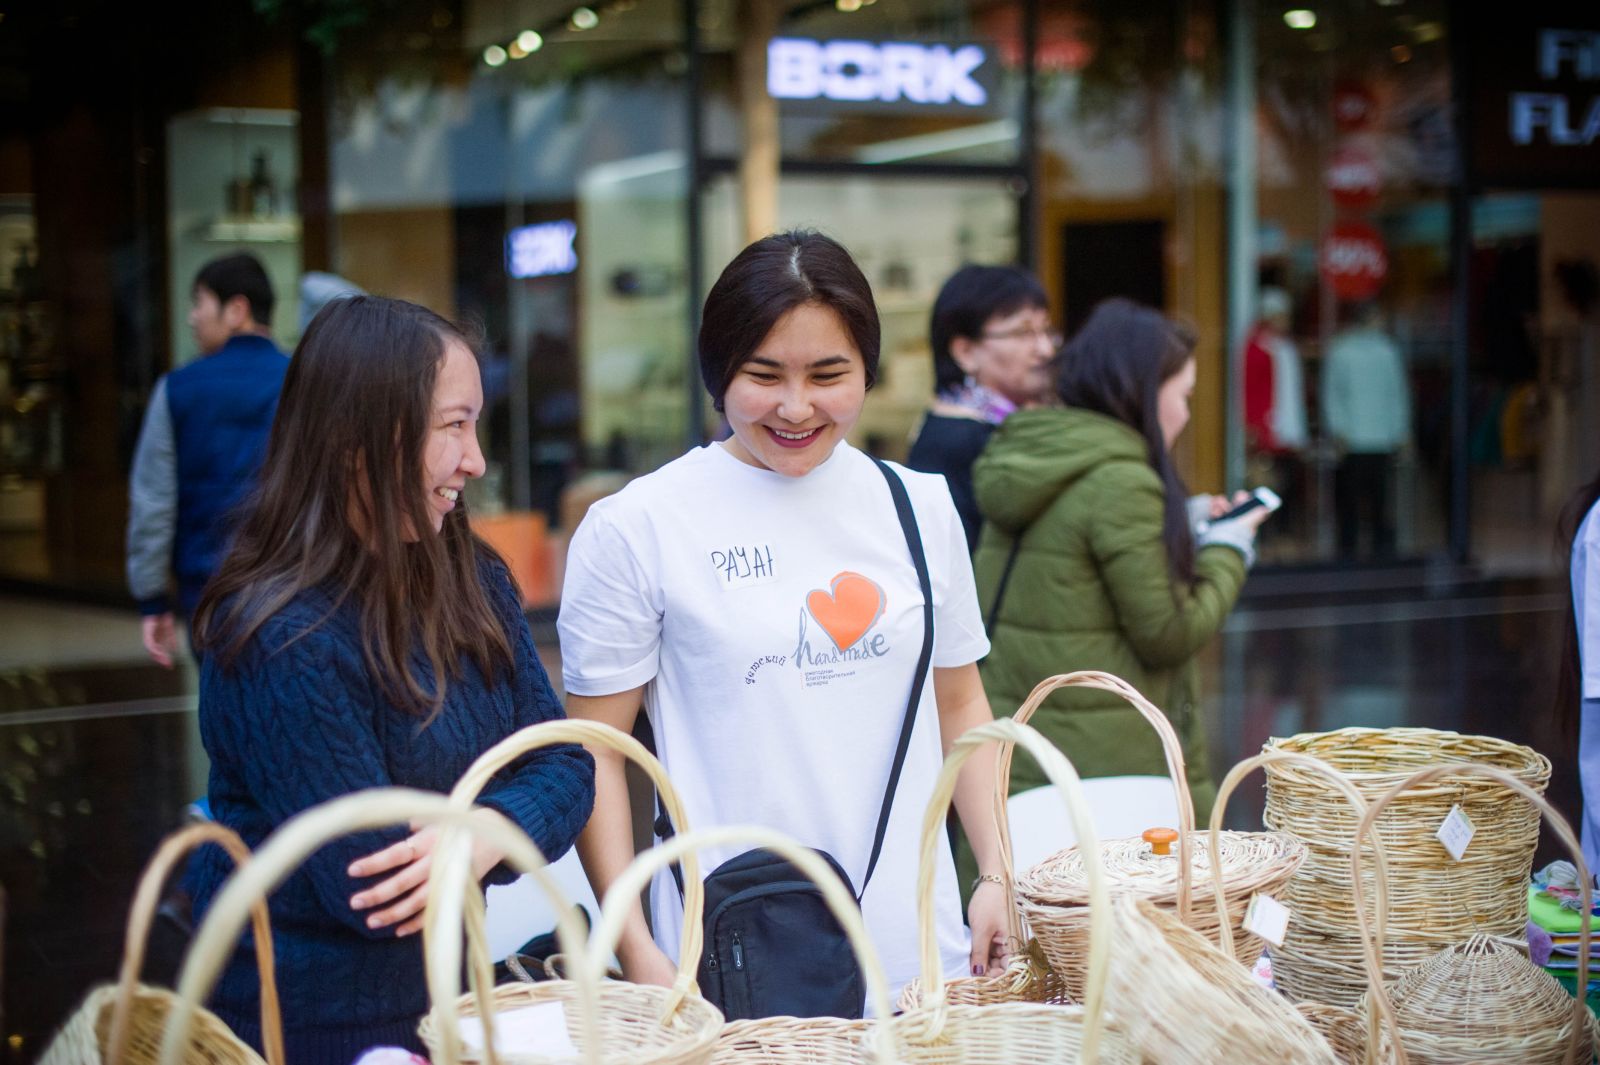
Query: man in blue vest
{"type": "Point", "coordinates": [204, 437]}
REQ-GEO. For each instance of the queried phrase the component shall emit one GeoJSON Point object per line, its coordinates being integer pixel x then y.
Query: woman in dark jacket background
{"type": "Point", "coordinates": [992, 345]}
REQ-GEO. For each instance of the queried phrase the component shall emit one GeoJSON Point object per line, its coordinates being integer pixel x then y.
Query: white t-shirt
{"type": "Point", "coordinates": [776, 622]}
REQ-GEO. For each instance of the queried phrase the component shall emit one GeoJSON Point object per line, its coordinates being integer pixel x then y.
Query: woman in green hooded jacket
{"type": "Point", "coordinates": [1090, 532]}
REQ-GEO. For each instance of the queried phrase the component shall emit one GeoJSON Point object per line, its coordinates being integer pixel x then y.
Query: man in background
{"type": "Point", "coordinates": [202, 444]}
{"type": "Point", "coordinates": [1366, 410]}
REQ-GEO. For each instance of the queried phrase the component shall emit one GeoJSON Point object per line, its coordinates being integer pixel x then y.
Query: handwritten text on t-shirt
{"type": "Point", "coordinates": [742, 567]}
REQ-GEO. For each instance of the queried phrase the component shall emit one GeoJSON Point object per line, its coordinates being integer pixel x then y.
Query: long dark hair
{"type": "Point", "coordinates": [769, 279]}
{"type": "Point", "coordinates": [1116, 365]}
{"type": "Point", "coordinates": [1569, 675]}
{"type": "Point", "coordinates": [336, 510]}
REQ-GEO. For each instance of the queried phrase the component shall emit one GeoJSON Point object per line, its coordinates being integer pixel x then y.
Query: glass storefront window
{"type": "Point", "coordinates": [1343, 377]}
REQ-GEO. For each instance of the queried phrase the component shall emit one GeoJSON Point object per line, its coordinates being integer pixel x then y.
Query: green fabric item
{"type": "Point", "coordinates": [1550, 915]}
{"type": "Point", "coordinates": [1091, 590]}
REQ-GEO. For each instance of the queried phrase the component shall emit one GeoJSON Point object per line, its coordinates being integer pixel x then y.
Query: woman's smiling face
{"type": "Point", "coordinates": [798, 394]}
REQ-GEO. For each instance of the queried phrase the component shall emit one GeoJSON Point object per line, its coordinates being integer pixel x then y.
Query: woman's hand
{"type": "Point", "coordinates": [989, 915]}
{"type": "Point", "coordinates": [1220, 505]}
{"type": "Point", "coordinates": [647, 963]}
{"type": "Point", "coordinates": [404, 894]}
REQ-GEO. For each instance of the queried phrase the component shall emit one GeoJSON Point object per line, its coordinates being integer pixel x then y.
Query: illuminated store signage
{"type": "Point", "coordinates": [1535, 97]}
{"type": "Point", "coordinates": [888, 72]}
{"type": "Point", "coordinates": [542, 250]}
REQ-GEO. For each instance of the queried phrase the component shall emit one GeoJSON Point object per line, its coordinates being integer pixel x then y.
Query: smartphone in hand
{"type": "Point", "coordinates": [1260, 497]}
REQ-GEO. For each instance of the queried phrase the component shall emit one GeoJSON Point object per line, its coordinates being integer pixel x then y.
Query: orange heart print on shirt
{"type": "Point", "coordinates": [851, 606]}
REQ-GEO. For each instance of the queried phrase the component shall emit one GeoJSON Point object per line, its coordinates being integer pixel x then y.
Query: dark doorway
{"type": "Point", "coordinates": [1101, 259]}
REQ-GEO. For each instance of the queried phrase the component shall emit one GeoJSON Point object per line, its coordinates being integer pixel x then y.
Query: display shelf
{"type": "Point", "coordinates": [228, 230]}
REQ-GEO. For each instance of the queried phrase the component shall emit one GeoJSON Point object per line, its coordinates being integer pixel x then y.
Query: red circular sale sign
{"type": "Point", "coordinates": [1353, 177]}
{"type": "Point", "coordinates": [1353, 105]}
{"type": "Point", "coordinates": [1353, 260]}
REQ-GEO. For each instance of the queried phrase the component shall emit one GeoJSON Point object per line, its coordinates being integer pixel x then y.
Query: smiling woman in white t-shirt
{"type": "Point", "coordinates": [757, 598]}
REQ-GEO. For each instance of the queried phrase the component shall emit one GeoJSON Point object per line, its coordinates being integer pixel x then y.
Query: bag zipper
{"type": "Point", "coordinates": [738, 953]}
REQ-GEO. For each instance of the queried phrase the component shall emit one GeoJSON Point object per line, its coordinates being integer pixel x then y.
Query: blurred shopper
{"type": "Point", "coordinates": [1274, 385]}
{"type": "Point", "coordinates": [1090, 557]}
{"type": "Point", "coordinates": [1366, 411]}
{"type": "Point", "coordinates": [992, 346]}
{"type": "Point", "coordinates": [359, 635]}
{"type": "Point", "coordinates": [1579, 679]}
{"type": "Point", "coordinates": [318, 288]}
{"type": "Point", "coordinates": [682, 592]}
{"type": "Point", "coordinates": [205, 431]}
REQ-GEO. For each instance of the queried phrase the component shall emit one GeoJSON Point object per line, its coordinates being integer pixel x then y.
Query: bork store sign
{"type": "Point", "coordinates": [1534, 79]}
{"type": "Point", "coordinates": [897, 75]}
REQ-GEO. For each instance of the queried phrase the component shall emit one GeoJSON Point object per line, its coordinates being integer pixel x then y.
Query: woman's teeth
{"type": "Point", "coordinates": [794, 436]}
{"type": "Point", "coordinates": [449, 493]}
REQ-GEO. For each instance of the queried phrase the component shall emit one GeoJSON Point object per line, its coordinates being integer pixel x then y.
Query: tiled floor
{"type": "Point", "coordinates": [99, 752]}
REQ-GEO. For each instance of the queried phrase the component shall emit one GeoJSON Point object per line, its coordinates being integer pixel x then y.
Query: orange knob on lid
{"type": "Point", "coordinates": [1160, 839]}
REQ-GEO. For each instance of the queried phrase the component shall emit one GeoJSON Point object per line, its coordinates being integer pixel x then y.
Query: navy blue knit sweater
{"type": "Point", "coordinates": [295, 722]}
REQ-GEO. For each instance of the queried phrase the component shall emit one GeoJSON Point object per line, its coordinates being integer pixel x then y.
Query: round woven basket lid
{"type": "Point", "coordinates": [1133, 867]}
{"type": "Point", "coordinates": [1482, 991]}
{"type": "Point", "coordinates": [1376, 758]}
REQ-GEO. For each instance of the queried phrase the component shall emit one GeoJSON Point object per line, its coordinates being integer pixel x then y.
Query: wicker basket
{"type": "Point", "coordinates": [1480, 1000]}
{"type": "Point", "coordinates": [684, 993]}
{"type": "Point", "coordinates": [1027, 976]}
{"type": "Point", "coordinates": [122, 1023]}
{"type": "Point", "coordinates": [771, 1040]}
{"type": "Point", "coordinates": [1432, 905]}
{"type": "Point", "coordinates": [1347, 1033]}
{"type": "Point", "coordinates": [658, 1021]}
{"type": "Point", "coordinates": [1052, 894]}
{"type": "Point", "coordinates": [939, 1032]}
{"type": "Point", "coordinates": [620, 1019]}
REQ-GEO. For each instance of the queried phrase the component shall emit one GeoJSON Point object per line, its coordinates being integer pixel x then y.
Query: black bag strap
{"type": "Point", "coordinates": [1005, 579]}
{"type": "Point", "coordinates": [908, 525]}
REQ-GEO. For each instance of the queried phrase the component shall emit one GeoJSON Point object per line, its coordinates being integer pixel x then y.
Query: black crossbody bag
{"type": "Point", "coordinates": [772, 948]}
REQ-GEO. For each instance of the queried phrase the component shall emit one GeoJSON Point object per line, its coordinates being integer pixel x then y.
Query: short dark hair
{"type": "Point", "coordinates": [973, 295]}
{"type": "Point", "coordinates": [769, 279]}
{"type": "Point", "coordinates": [240, 274]}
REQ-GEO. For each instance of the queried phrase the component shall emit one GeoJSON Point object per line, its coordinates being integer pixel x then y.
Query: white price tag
{"type": "Point", "coordinates": [1267, 918]}
{"type": "Point", "coordinates": [537, 1029]}
{"type": "Point", "coordinates": [1456, 832]}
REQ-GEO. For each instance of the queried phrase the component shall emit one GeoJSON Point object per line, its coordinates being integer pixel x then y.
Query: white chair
{"type": "Point", "coordinates": [1120, 806]}
{"type": "Point", "coordinates": [518, 911]}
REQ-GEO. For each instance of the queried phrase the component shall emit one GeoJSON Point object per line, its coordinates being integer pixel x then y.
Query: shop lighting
{"type": "Point", "coordinates": [1390, 3]}
{"type": "Point", "coordinates": [1427, 32]}
{"type": "Point", "coordinates": [585, 19]}
{"type": "Point", "coordinates": [847, 5]}
{"type": "Point", "coordinates": [495, 56]}
{"type": "Point", "coordinates": [1400, 53]}
{"type": "Point", "coordinates": [529, 41]}
{"type": "Point", "coordinates": [516, 51]}
{"type": "Point", "coordinates": [1300, 18]}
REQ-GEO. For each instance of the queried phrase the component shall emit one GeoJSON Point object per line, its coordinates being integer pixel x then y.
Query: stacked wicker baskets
{"type": "Point", "coordinates": [1480, 1000]}
{"type": "Point", "coordinates": [1433, 902]}
{"type": "Point", "coordinates": [1052, 895]}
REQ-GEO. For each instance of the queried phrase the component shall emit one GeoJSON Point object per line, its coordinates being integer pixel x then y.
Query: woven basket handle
{"type": "Point", "coordinates": [841, 903]}
{"type": "Point", "coordinates": [1061, 773]}
{"type": "Point", "coordinates": [1358, 805]}
{"type": "Point", "coordinates": [596, 735]}
{"type": "Point", "coordinates": [1580, 1049]}
{"type": "Point", "coordinates": [1171, 747]}
{"type": "Point", "coordinates": [142, 914]}
{"type": "Point", "coordinates": [288, 847]}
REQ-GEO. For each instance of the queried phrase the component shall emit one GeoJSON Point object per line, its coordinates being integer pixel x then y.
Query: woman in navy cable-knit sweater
{"type": "Point", "coordinates": [360, 635]}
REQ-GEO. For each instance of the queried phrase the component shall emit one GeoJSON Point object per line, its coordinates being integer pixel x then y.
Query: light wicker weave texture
{"type": "Point", "coordinates": [1480, 1001]}
{"type": "Point", "coordinates": [1483, 1001]}
{"type": "Point", "coordinates": [123, 1022]}
{"type": "Point", "coordinates": [1051, 895]}
{"type": "Point", "coordinates": [1009, 1033]}
{"type": "Point", "coordinates": [1346, 1033]}
{"type": "Point", "coordinates": [1184, 1002]}
{"type": "Point", "coordinates": [1433, 902]}
{"type": "Point", "coordinates": [634, 1019]}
